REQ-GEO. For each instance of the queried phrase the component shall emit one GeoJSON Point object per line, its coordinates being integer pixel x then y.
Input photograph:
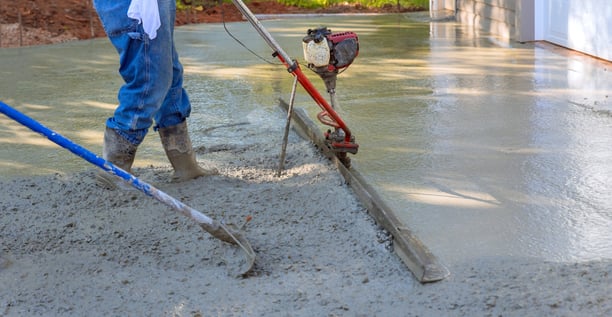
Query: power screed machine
{"type": "Point", "coordinates": [327, 54]}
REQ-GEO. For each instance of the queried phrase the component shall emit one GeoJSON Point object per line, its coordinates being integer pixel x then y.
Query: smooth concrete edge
{"type": "Point", "coordinates": [417, 257]}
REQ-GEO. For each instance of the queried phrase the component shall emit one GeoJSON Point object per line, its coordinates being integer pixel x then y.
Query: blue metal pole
{"type": "Point", "coordinates": [215, 228]}
{"type": "Point", "coordinates": [103, 164]}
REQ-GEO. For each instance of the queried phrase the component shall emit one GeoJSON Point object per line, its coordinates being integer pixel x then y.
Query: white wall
{"type": "Point", "coordinates": [581, 25]}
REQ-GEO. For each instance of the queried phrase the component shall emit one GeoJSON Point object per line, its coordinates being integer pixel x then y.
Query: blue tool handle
{"type": "Point", "coordinates": [73, 147]}
{"type": "Point", "coordinates": [105, 165]}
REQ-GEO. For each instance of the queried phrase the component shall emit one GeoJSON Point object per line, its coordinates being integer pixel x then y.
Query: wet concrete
{"type": "Point", "coordinates": [489, 150]}
{"type": "Point", "coordinates": [484, 149]}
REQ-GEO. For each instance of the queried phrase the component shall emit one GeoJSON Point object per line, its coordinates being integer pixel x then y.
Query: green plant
{"type": "Point", "coordinates": [312, 4]}
{"type": "Point", "coordinates": [368, 3]}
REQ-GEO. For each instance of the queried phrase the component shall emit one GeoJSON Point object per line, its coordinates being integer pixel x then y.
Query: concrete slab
{"type": "Point", "coordinates": [486, 150]}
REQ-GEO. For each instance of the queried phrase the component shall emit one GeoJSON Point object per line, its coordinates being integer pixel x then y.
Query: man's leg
{"type": "Point", "coordinates": [172, 125]}
{"type": "Point", "coordinates": [146, 68]}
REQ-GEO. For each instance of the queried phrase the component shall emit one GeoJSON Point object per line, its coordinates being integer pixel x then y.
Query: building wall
{"type": "Point", "coordinates": [442, 5]}
{"type": "Point", "coordinates": [581, 25]}
{"type": "Point", "coordinates": [509, 19]}
{"type": "Point", "coordinates": [495, 16]}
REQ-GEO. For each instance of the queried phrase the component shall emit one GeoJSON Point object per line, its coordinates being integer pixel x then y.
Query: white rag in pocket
{"type": "Point", "coordinates": [147, 12]}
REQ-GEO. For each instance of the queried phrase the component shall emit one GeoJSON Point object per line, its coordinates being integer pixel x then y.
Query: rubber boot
{"type": "Point", "coordinates": [121, 153]}
{"type": "Point", "coordinates": [179, 151]}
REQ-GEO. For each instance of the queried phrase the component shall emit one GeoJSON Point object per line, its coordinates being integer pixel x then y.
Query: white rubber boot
{"type": "Point", "coordinates": [121, 153]}
{"type": "Point", "coordinates": [179, 151]}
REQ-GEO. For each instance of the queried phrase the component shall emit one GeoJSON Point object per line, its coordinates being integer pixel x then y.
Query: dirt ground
{"type": "Point", "coordinates": [32, 22]}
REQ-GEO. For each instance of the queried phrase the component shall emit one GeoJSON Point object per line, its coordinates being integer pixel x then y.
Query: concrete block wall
{"type": "Point", "coordinates": [508, 19]}
{"type": "Point", "coordinates": [442, 5]}
{"type": "Point", "coordinates": [498, 17]}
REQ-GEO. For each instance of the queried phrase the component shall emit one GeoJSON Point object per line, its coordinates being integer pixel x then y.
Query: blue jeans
{"type": "Point", "coordinates": [151, 70]}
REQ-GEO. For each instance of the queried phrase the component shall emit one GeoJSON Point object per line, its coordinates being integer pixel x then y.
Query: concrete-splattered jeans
{"type": "Point", "coordinates": [151, 70]}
